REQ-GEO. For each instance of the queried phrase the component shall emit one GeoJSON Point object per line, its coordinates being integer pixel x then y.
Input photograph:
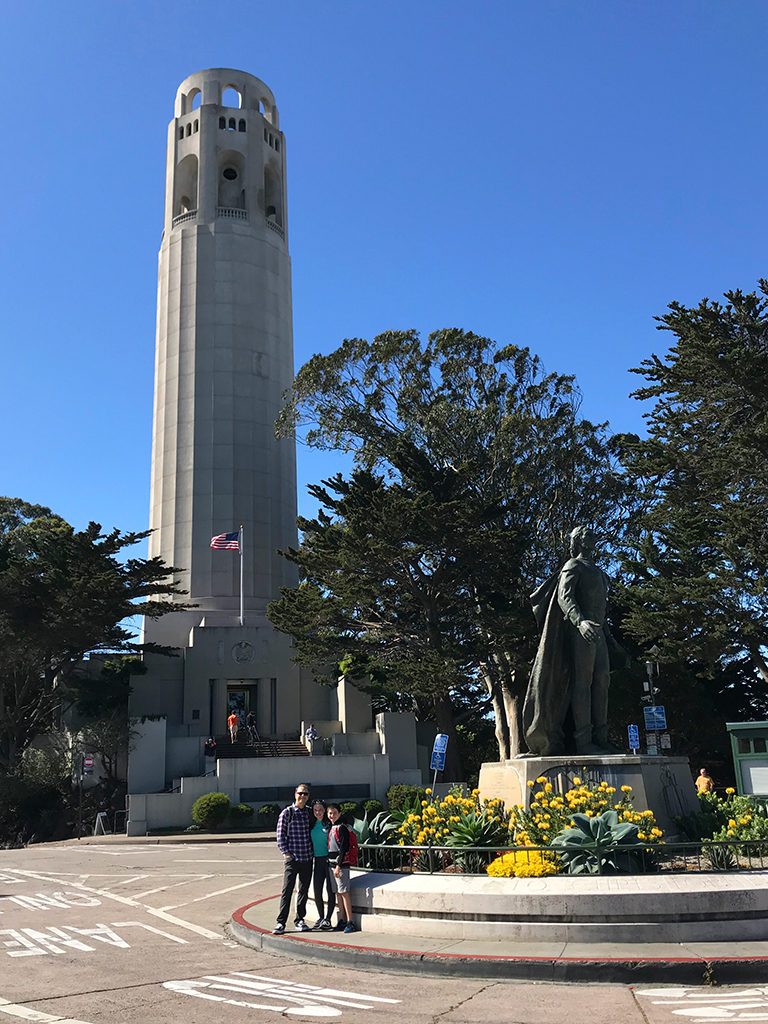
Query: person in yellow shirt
{"type": "Point", "coordinates": [704, 782]}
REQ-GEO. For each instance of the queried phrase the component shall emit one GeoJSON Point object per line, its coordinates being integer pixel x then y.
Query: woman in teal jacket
{"type": "Point", "coordinates": [319, 834]}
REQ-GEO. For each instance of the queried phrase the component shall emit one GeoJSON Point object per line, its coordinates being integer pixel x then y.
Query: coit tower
{"type": "Point", "coordinates": [224, 355]}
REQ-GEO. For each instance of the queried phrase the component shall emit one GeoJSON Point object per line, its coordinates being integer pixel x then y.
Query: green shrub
{"type": "Point", "coordinates": [372, 807]}
{"type": "Point", "coordinates": [241, 814]}
{"type": "Point", "coordinates": [268, 814]}
{"type": "Point", "coordinates": [29, 811]}
{"type": "Point", "coordinates": [211, 810]}
{"type": "Point", "coordinates": [350, 809]}
{"type": "Point", "coordinates": [401, 797]}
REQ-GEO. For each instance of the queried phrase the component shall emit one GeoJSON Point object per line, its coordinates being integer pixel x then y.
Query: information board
{"type": "Point", "coordinates": [633, 734]}
{"type": "Point", "coordinates": [655, 718]}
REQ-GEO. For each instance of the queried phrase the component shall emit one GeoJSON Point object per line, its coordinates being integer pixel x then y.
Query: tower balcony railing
{"type": "Point", "coordinates": [275, 227]}
{"type": "Point", "coordinates": [234, 212]}
{"type": "Point", "coordinates": [182, 217]}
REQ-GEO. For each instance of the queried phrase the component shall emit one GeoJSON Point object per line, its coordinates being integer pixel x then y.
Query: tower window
{"type": "Point", "coordinates": [197, 125]}
{"type": "Point", "coordinates": [231, 125]}
{"type": "Point", "coordinates": [277, 145]}
{"type": "Point", "coordinates": [222, 122]}
{"type": "Point", "coordinates": [181, 132]}
{"type": "Point", "coordinates": [241, 125]}
{"type": "Point", "coordinates": [230, 97]}
{"type": "Point", "coordinates": [230, 173]}
{"type": "Point", "coordinates": [266, 135]}
{"type": "Point", "coordinates": [189, 130]}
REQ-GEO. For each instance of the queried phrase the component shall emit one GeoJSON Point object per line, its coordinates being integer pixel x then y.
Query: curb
{"type": "Point", "coordinates": [631, 970]}
{"type": "Point", "coordinates": [121, 840]}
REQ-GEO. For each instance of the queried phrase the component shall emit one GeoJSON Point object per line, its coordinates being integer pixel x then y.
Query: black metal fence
{"type": "Point", "coordinates": [678, 858]}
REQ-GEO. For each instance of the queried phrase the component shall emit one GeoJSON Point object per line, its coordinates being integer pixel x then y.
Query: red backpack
{"type": "Point", "coordinates": [353, 850]}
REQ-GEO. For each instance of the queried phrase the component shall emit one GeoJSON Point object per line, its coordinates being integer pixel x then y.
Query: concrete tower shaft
{"type": "Point", "coordinates": [224, 353]}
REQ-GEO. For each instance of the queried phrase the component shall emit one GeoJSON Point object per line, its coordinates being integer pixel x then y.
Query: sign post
{"type": "Point", "coordinates": [633, 734]}
{"type": "Point", "coordinates": [437, 764]}
{"type": "Point", "coordinates": [655, 723]}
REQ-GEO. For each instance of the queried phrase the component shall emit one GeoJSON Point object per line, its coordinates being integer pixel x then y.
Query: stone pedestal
{"type": "Point", "coordinates": [661, 784]}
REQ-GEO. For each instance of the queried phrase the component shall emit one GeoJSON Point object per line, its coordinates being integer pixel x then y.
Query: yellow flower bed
{"type": "Point", "coordinates": [523, 864]}
{"type": "Point", "coordinates": [550, 813]}
{"type": "Point", "coordinates": [429, 825]}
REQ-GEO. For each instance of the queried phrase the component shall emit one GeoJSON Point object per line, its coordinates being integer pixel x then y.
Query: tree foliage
{"type": "Point", "coordinates": [471, 464]}
{"type": "Point", "coordinates": [63, 594]}
{"type": "Point", "coordinates": [697, 571]}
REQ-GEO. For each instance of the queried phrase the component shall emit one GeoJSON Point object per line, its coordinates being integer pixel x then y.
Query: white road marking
{"type": "Point", "coordinates": [26, 1013]}
{"type": "Point", "coordinates": [171, 885]}
{"type": "Point", "coordinates": [127, 901]}
{"type": "Point", "coordinates": [220, 892]}
{"type": "Point", "coordinates": [705, 1007]}
{"type": "Point", "coordinates": [149, 928]}
{"type": "Point", "coordinates": [294, 999]}
{"type": "Point", "coordinates": [135, 878]}
{"type": "Point", "coordinates": [57, 899]}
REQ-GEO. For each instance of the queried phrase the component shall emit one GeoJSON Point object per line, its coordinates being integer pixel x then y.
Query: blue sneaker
{"type": "Point", "coordinates": [349, 928]}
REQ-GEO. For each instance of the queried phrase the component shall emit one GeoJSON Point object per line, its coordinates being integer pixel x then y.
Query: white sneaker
{"type": "Point", "coordinates": [302, 926]}
{"type": "Point", "coordinates": [278, 929]}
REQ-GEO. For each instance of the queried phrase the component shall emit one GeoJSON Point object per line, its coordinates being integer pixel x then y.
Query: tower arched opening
{"type": "Point", "coordinates": [230, 97]}
{"type": "Point", "coordinates": [185, 185]}
{"type": "Point", "coordinates": [195, 98]}
{"type": "Point", "coordinates": [232, 184]}
{"type": "Point", "coordinates": [273, 194]}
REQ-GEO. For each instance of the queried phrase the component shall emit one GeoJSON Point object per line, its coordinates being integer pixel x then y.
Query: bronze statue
{"type": "Point", "coordinates": [566, 705]}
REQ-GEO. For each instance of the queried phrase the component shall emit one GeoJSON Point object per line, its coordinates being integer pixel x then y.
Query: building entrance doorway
{"type": "Point", "coordinates": [242, 700]}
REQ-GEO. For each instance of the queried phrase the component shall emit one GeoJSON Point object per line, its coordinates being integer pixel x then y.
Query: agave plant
{"type": "Point", "coordinates": [477, 828]}
{"type": "Point", "coordinates": [600, 845]}
{"type": "Point", "coordinates": [378, 831]}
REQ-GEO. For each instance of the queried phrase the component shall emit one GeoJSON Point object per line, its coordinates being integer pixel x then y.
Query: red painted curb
{"type": "Point", "coordinates": [238, 918]}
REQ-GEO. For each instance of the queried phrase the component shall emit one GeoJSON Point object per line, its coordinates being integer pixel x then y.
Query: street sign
{"type": "Point", "coordinates": [87, 761]}
{"type": "Point", "coordinates": [437, 764]}
{"type": "Point", "coordinates": [655, 718]}
{"type": "Point", "coordinates": [650, 744]}
{"type": "Point", "coordinates": [634, 737]}
{"type": "Point", "coordinates": [666, 741]}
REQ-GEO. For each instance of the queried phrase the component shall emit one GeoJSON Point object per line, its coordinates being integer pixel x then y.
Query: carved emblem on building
{"type": "Point", "coordinates": [243, 652]}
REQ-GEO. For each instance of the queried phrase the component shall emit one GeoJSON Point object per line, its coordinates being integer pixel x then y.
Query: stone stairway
{"type": "Point", "coordinates": [264, 748]}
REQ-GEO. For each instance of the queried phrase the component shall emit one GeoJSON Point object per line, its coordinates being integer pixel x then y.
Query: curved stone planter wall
{"type": "Point", "coordinates": [646, 908]}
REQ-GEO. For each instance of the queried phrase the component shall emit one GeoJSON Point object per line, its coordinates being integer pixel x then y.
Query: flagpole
{"type": "Point", "coordinates": [241, 545]}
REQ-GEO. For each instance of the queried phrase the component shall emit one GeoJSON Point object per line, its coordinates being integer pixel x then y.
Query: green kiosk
{"type": "Point", "coordinates": [749, 746]}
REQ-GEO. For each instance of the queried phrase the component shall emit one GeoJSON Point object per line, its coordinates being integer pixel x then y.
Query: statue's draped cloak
{"type": "Point", "coordinates": [549, 687]}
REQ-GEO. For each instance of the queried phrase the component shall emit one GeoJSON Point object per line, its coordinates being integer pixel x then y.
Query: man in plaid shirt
{"type": "Point", "coordinates": [295, 844]}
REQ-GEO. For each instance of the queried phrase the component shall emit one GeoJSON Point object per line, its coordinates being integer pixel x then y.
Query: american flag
{"type": "Point", "coordinates": [226, 541]}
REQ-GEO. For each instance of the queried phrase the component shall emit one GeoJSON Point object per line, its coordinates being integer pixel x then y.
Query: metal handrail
{"type": "Point", "coordinates": [704, 856]}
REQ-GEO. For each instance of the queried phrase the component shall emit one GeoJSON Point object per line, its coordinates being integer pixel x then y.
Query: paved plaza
{"type": "Point", "coordinates": [110, 931]}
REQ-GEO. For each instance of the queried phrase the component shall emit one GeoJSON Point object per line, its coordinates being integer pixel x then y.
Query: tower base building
{"type": "Point", "coordinates": [224, 358]}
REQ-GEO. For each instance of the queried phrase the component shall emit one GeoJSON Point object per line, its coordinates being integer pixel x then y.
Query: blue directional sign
{"type": "Point", "coordinates": [634, 737]}
{"type": "Point", "coordinates": [437, 764]}
{"type": "Point", "coordinates": [655, 718]}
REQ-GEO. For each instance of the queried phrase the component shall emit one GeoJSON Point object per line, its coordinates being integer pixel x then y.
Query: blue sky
{"type": "Point", "coordinates": [545, 173]}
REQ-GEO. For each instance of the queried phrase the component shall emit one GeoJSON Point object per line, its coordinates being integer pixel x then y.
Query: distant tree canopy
{"type": "Point", "coordinates": [697, 571]}
{"type": "Point", "coordinates": [63, 594]}
{"type": "Point", "coordinates": [470, 467]}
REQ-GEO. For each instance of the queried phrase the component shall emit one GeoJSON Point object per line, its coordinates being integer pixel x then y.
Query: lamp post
{"type": "Point", "coordinates": [652, 673]}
